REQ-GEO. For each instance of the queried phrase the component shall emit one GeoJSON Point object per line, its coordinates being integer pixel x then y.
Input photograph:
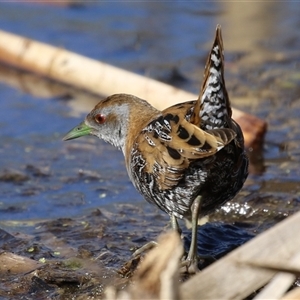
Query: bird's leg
{"type": "Point", "coordinates": [174, 224]}
{"type": "Point", "coordinates": [152, 244]}
{"type": "Point", "coordinates": [191, 262]}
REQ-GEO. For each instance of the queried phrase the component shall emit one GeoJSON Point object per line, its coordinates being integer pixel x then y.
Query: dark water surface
{"type": "Point", "coordinates": [43, 179]}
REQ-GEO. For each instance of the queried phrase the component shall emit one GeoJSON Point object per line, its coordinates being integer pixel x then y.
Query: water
{"type": "Point", "coordinates": [43, 179]}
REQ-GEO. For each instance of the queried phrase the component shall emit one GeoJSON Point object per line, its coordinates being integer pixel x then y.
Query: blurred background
{"type": "Point", "coordinates": [43, 178]}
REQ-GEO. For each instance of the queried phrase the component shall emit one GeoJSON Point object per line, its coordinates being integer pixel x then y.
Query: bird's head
{"type": "Point", "coordinates": [112, 119]}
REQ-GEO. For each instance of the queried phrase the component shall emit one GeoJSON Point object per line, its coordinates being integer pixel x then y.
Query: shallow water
{"type": "Point", "coordinates": [43, 178]}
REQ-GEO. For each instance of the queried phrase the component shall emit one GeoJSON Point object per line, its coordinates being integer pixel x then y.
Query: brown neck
{"type": "Point", "coordinates": [139, 117]}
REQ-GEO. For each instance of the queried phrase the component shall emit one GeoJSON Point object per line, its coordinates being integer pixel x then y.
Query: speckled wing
{"type": "Point", "coordinates": [169, 144]}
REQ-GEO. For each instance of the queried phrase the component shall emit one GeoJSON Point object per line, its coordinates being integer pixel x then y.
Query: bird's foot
{"type": "Point", "coordinates": [189, 266]}
{"type": "Point", "coordinates": [144, 248]}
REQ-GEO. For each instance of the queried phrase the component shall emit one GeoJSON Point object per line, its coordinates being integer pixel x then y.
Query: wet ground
{"type": "Point", "coordinates": [73, 202]}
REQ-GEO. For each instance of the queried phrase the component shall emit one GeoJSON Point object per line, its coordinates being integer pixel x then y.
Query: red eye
{"type": "Point", "coordinates": [99, 118]}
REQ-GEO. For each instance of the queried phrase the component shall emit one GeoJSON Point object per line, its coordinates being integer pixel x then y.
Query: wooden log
{"type": "Point", "coordinates": [104, 79]}
{"type": "Point", "coordinates": [292, 295]}
{"type": "Point", "coordinates": [230, 278]}
{"type": "Point", "coordinates": [281, 281]}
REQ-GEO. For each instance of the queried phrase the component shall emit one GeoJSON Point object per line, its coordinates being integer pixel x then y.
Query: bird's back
{"type": "Point", "coordinates": [193, 148]}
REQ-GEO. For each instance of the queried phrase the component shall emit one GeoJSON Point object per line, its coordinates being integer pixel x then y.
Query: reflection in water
{"type": "Point", "coordinates": [249, 24]}
{"type": "Point", "coordinates": [78, 101]}
{"type": "Point", "coordinates": [261, 30]}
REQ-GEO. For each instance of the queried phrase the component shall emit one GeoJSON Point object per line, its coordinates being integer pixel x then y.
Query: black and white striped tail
{"type": "Point", "coordinates": [214, 103]}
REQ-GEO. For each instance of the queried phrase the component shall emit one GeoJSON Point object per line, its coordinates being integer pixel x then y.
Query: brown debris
{"type": "Point", "coordinates": [158, 275]}
{"type": "Point", "coordinates": [11, 263]}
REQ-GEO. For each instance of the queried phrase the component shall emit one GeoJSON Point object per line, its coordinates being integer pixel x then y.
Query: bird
{"type": "Point", "coordinates": [188, 159]}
